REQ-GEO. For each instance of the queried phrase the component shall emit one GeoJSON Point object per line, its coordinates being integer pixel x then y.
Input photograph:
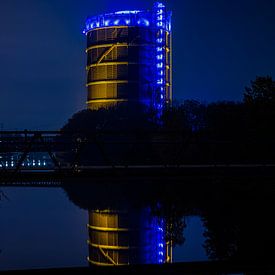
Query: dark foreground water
{"type": "Point", "coordinates": [41, 228]}
{"type": "Point", "coordinates": [48, 227]}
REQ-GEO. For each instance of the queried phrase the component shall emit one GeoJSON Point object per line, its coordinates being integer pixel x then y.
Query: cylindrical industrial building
{"type": "Point", "coordinates": [129, 58]}
{"type": "Point", "coordinates": [126, 237]}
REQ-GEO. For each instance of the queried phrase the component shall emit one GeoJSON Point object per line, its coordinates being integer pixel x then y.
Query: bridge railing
{"type": "Point", "coordinates": [73, 149]}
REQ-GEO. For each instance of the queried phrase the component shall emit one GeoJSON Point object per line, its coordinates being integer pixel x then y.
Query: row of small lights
{"type": "Point", "coordinates": [39, 163]}
{"type": "Point", "coordinates": [117, 22]}
{"type": "Point", "coordinates": [161, 241]}
{"type": "Point", "coordinates": [160, 41]}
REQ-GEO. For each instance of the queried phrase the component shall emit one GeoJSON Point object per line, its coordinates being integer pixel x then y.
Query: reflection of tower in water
{"type": "Point", "coordinates": [130, 237]}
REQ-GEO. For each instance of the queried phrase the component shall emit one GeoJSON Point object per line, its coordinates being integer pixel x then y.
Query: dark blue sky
{"type": "Point", "coordinates": [219, 46]}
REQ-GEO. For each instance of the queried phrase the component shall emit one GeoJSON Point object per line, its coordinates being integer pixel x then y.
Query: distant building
{"type": "Point", "coordinates": [129, 58]}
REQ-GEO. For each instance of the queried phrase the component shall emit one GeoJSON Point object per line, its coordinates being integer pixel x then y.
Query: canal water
{"type": "Point", "coordinates": [82, 224]}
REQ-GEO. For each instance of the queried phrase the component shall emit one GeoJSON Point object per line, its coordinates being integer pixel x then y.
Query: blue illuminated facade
{"type": "Point", "coordinates": [146, 35]}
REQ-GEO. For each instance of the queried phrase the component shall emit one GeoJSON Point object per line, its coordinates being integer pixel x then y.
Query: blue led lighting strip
{"type": "Point", "coordinates": [160, 236]}
{"type": "Point", "coordinates": [120, 18]}
{"type": "Point", "coordinates": [160, 23]}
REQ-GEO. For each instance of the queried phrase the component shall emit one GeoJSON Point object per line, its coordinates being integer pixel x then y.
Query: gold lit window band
{"type": "Point", "coordinates": [106, 100]}
{"type": "Point", "coordinates": [107, 82]}
{"type": "Point", "coordinates": [103, 264]}
{"type": "Point", "coordinates": [118, 45]}
{"type": "Point", "coordinates": [111, 63]}
{"type": "Point", "coordinates": [111, 247]}
{"type": "Point", "coordinates": [108, 229]}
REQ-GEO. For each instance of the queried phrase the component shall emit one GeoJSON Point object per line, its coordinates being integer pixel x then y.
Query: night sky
{"type": "Point", "coordinates": [219, 46]}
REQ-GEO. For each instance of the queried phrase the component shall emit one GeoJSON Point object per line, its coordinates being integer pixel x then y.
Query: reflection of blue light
{"type": "Point", "coordinates": [159, 57]}
{"type": "Point", "coordinates": [159, 49]}
{"type": "Point", "coordinates": [116, 22]}
{"type": "Point", "coordinates": [147, 23]}
{"type": "Point", "coordinates": [160, 65]}
{"type": "Point", "coordinates": [159, 40]}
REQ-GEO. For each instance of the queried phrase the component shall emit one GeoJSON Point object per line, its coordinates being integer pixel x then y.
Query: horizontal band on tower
{"type": "Point", "coordinates": [109, 64]}
{"type": "Point", "coordinates": [111, 247]}
{"type": "Point", "coordinates": [107, 45]}
{"type": "Point", "coordinates": [118, 45]}
{"type": "Point", "coordinates": [103, 264]}
{"type": "Point", "coordinates": [106, 100]}
{"type": "Point", "coordinates": [108, 27]}
{"type": "Point", "coordinates": [108, 229]}
{"type": "Point", "coordinates": [107, 82]}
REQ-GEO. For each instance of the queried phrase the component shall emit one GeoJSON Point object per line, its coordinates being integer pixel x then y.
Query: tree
{"type": "Point", "coordinates": [261, 91]}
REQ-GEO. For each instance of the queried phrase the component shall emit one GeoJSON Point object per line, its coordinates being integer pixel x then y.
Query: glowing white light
{"type": "Point", "coordinates": [160, 5]}
{"type": "Point", "coordinates": [147, 23]}
{"type": "Point", "coordinates": [161, 73]}
{"type": "Point", "coordinates": [160, 81]}
{"type": "Point", "coordinates": [127, 12]}
{"type": "Point", "coordinates": [160, 65]}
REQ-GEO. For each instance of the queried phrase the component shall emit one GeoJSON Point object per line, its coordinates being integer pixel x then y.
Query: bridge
{"type": "Point", "coordinates": [159, 155]}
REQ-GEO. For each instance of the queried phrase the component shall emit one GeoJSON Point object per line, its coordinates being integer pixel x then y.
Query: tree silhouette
{"type": "Point", "coordinates": [261, 91]}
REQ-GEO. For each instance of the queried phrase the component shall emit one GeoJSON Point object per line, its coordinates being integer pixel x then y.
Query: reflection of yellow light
{"type": "Point", "coordinates": [111, 247]}
{"type": "Point", "coordinates": [107, 82]}
{"type": "Point", "coordinates": [104, 264]}
{"type": "Point", "coordinates": [108, 228]}
{"type": "Point", "coordinates": [106, 100]}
